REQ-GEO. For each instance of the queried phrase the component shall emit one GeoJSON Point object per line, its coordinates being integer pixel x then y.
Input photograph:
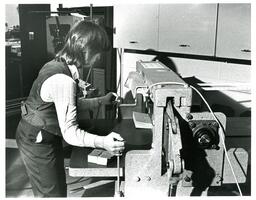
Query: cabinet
{"type": "Point", "coordinates": [234, 31]}
{"type": "Point", "coordinates": [136, 26]}
{"type": "Point", "coordinates": [216, 30]}
{"type": "Point", "coordinates": [14, 78]}
{"type": "Point", "coordinates": [33, 41]}
{"type": "Point", "coordinates": [187, 28]}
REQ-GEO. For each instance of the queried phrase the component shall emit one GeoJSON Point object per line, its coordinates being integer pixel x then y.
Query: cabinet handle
{"type": "Point", "coordinates": [184, 45]}
{"type": "Point", "coordinates": [133, 42]}
{"type": "Point", "coordinates": [246, 50]}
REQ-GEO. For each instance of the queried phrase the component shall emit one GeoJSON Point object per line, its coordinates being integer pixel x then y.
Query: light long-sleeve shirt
{"type": "Point", "coordinates": [61, 89]}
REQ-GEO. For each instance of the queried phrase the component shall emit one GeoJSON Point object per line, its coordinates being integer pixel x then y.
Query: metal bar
{"type": "Point", "coordinates": [118, 173]}
{"type": "Point", "coordinates": [174, 140]}
{"type": "Point", "coordinates": [118, 192]}
{"type": "Point", "coordinates": [241, 88]}
{"type": "Point", "coordinates": [52, 12]}
{"type": "Point", "coordinates": [95, 172]}
{"type": "Point", "coordinates": [169, 111]}
{"type": "Point", "coordinates": [91, 185]}
{"type": "Point", "coordinates": [224, 84]}
{"type": "Point", "coordinates": [11, 143]}
{"type": "Point", "coordinates": [91, 5]}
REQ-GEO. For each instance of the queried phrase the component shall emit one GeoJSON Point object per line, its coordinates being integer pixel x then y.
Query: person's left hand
{"type": "Point", "coordinates": [109, 98]}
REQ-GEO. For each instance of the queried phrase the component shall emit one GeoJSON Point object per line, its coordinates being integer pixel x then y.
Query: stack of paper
{"type": "Point", "coordinates": [142, 120]}
{"type": "Point", "coordinates": [100, 157]}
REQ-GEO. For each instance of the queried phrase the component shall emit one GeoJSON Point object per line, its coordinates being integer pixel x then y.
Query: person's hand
{"type": "Point", "coordinates": [109, 98]}
{"type": "Point", "coordinates": [113, 143]}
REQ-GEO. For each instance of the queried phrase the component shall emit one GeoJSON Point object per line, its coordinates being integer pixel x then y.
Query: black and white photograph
{"type": "Point", "coordinates": [120, 99]}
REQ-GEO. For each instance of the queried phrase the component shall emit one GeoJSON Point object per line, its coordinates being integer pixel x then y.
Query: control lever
{"type": "Point", "coordinates": [118, 192]}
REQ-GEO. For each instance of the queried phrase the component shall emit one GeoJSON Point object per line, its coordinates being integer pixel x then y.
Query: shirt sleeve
{"type": "Point", "coordinates": [61, 89]}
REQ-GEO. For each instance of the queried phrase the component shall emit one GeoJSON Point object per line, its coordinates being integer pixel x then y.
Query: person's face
{"type": "Point", "coordinates": [91, 60]}
{"type": "Point", "coordinates": [95, 58]}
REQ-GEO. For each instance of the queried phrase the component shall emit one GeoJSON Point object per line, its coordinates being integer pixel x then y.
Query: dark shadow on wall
{"type": "Point", "coordinates": [218, 101]}
{"type": "Point", "coordinates": [167, 62]}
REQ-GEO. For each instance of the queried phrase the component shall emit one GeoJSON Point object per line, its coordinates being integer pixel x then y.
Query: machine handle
{"type": "Point", "coordinates": [184, 45]}
{"type": "Point", "coordinates": [246, 50]}
{"type": "Point", "coordinates": [133, 42]}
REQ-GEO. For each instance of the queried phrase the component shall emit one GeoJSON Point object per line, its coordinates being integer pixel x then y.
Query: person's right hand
{"type": "Point", "coordinates": [113, 143]}
{"type": "Point", "coordinates": [109, 98]}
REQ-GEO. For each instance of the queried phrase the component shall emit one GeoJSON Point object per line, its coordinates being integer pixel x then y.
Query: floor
{"type": "Point", "coordinates": [17, 182]}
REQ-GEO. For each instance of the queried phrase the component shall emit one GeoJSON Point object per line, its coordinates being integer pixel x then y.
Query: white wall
{"type": "Point", "coordinates": [12, 15]}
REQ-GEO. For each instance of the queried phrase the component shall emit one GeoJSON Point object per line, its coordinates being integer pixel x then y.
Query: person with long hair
{"type": "Point", "coordinates": [49, 114]}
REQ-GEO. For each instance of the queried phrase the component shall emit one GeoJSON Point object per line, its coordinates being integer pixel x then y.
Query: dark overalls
{"type": "Point", "coordinates": [44, 161]}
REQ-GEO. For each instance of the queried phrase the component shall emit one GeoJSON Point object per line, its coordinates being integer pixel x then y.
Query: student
{"type": "Point", "coordinates": [50, 112]}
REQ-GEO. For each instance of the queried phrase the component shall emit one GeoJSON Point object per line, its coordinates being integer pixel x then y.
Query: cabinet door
{"type": "Point", "coordinates": [187, 28]}
{"type": "Point", "coordinates": [234, 31]}
{"type": "Point", "coordinates": [136, 26]}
